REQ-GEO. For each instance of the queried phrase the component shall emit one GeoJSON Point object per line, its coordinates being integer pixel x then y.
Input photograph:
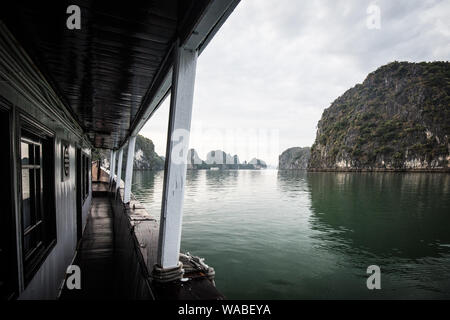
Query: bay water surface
{"type": "Point", "coordinates": [296, 235]}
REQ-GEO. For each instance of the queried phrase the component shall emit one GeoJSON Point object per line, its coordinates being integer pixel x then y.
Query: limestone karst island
{"type": "Point", "coordinates": [398, 119]}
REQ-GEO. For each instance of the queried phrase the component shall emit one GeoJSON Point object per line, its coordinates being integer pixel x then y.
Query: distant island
{"type": "Point", "coordinates": [398, 119]}
{"type": "Point", "coordinates": [146, 158]}
{"type": "Point", "coordinates": [220, 160]}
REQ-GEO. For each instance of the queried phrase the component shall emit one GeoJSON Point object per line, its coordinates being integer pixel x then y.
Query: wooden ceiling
{"type": "Point", "coordinates": [103, 72]}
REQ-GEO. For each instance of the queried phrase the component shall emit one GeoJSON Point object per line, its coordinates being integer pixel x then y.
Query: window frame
{"type": "Point", "coordinates": [85, 186]}
{"type": "Point", "coordinates": [86, 176]}
{"type": "Point", "coordinates": [29, 129]}
{"type": "Point", "coordinates": [36, 194]}
{"type": "Point", "coordinates": [8, 224]}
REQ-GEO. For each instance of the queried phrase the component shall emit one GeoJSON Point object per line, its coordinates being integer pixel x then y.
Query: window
{"type": "Point", "coordinates": [86, 175]}
{"type": "Point", "coordinates": [85, 162]}
{"type": "Point", "coordinates": [37, 195]}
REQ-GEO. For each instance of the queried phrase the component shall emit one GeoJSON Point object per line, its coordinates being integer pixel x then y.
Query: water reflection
{"type": "Point", "coordinates": [217, 179]}
{"type": "Point", "coordinates": [386, 214]}
{"type": "Point", "coordinates": [398, 221]}
{"type": "Point", "coordinates": [293, 182]}
{"type": "Point", "coordinates": [147, 188]}
{"type": "Point", "coordinates": [295, 235]}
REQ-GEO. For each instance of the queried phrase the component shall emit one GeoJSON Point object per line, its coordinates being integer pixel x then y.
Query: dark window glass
{"type": "Point", "coordinates": [26, 200]}
{"type": "Point", "coordinates": [31, 195]}
{"type": "Point", "coordinates": [86, 177]}
{"type": "Point", "coordinates": [38, 214]}
{"type": "Point", "coordinates": [37, 154]}
{"type": "Point", "coordinates": [38, 194]}
{"type": "Point", "coordinates": [82, 177]}
{"type": "Point", "coordinates": [85, 162]}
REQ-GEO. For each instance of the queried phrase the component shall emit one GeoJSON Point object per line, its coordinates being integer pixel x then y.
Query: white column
{"type": "Point", "coordinates": [182, 92]}
{"type": "Point", "coordinates": [129, 170]}
{"type": "Point", "coordinates": [112, 166]}
{"type": "Point", "coordinates": [119, 169]}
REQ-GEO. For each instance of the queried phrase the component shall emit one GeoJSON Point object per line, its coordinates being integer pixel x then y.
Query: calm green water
{"type": "Point", "coordinates": [298, 235]}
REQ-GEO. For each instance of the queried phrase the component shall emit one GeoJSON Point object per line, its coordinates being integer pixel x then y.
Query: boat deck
{"type": "Point", "coordinates": [117, 252]}
{"type": "Point", "coordinates": [95, 255]}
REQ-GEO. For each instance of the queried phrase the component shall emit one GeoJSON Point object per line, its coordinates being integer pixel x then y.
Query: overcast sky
{"type": "Point", "coordinates": [274, 66]}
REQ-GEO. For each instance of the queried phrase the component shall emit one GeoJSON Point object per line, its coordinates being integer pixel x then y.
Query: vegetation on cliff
{"type": "Point", "coordinates": [398, 118]}
{"type": "Point", "coordinates": [145, 156]}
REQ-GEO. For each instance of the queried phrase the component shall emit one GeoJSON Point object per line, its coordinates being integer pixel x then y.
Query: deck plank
{"type": "Point", "coordinates": [95, 255]}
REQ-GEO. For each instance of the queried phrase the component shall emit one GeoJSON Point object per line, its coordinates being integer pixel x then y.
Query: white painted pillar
{"type": "Point", "coordinates": [119, 169]}
{"type": "Point", "coordinates": [182, 93]}
{"type": "Point", "coordinates": [112, 166]}
{"type": "Point", "coordinates": [110, 163]}
{"type": "Point", "coordinates": [129, 170]}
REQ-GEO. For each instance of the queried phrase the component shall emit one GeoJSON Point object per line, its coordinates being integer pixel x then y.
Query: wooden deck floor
{"type": "Point", "coordinates": [95, 256]}
{"type": "Point", "coordinates": [108, 260]}
{"type": "Point", "coordinates": [100, 189]}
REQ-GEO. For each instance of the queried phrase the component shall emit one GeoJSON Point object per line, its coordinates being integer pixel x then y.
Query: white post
{"type": "Point", "coordinates": [129, 170]}
{"type": "Point", "coordinates": [119, 169]}
{"type": "Point", "coordinates": [182, 93]}
{"type": "Point", "coordinates": [112, 166]}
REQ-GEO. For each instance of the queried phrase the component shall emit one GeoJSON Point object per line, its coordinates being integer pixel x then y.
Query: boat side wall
{"type": "Point", "coordinates": [48, 279]}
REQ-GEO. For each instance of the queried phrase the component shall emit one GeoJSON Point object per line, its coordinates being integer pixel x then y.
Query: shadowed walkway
{"type": "Point", "coordinates": [115, 251]}
{"type": "Point", "coordinates": [95, 256]}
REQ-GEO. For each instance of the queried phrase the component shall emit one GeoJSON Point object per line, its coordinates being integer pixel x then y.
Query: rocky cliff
{"type": "Point", "coordinates": [397, 119]}
{"type": "Point", "coordinates": [294, 158]}
{"type": "Point", "coordinates": [145, 157]}
{"type": "Point", "coordinates": [219, 157]}
{"type": "Point", "coordinates": [258, 163]}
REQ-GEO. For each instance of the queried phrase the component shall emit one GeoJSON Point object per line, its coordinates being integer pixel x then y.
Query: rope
{"type": "Point", "coordinates": [196, 264]}
{"type": "Point", "coordinates": [187, 264]}
{"type": "Point", "coordinates": [167, 275]}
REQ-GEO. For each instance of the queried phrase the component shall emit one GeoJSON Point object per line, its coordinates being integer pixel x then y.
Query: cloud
{"type": "Point", "coordinates": [276, 65]}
